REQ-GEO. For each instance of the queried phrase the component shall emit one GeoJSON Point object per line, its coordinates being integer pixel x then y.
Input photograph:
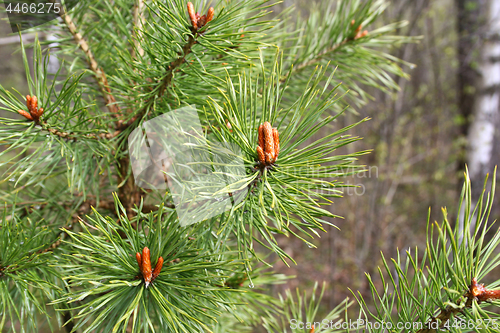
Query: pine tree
{"type": "Point", "coordinates": [89, 245]}
{"type": "Point", "coordinates": [440, 290]}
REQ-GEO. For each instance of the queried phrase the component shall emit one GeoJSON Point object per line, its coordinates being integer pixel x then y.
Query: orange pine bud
{"type": "Point", "coordinates": [260, 153]}
{"type": "Point", "coordinates": [261, 136]}
{"type": "Point", "coordinates": [358, 29]}
{"type": "Point", "coordinates": [146, 266]}
{"type": "Point", "coordinates": [269, 144]}
{"type": "Point", "coordinates": [28, 101]}
{"type": "Point", "coordinates": [481, 293]}
{"type": "Point", "coordinates": [210, 14]}
{"type": "Point", "coordinates": [34, 105]}
{"type": "Point", "coordinates": [139, 260]}
{"type": "Point", "coordinates": [192, 15]}
{"type": "Point", "coordinates": [25, 114]}
{"type": "Point", "coordinates": [363, 34]}
{"type": "Point", "coordinates": [40, 112]}
{"type": "Point", "coordinates": [276, 138]}
{"type": "Point", "coordinates": [269, 158]}
{"type": "Point", "coordinates": [268, 140]}
{"type": "Point", "coordinates": [490, 295]}
{"type": "Point", "coordinates": [352, 23]}
{"type": "Point", "coordinates": [157, 270]}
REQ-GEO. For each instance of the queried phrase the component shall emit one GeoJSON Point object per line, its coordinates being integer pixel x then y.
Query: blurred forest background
{"type": "Point", "coordinates": [418, 135]}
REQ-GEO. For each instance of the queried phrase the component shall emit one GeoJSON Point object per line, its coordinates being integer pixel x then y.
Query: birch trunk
{"type": "Point", "coordinates": [483, 129]}
{"type": "Point", "coordinates": [481, 135]}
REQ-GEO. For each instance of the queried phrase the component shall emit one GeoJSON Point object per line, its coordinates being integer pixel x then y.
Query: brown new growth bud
{"type": "Point", "coordinates": [146, 266]}
{"type": "Point", "coordinates": [192, 15]}
{"type": "Point", "coordinates": [261, 155]}
{"type": "Point", "coordinates": [202, 21]}
{"type": "Point", "coordinates": [276, 138]}
{"type": "Point", "coordinates": [268, 142]}
{"type": "Point", "coordinates": [269, 147]}
{"type": "Point", "coordinates": [358, 32]}
{"type": "Point", "coordinates": [311, 330]}
{"type": "Point", "coordinates": [157, 270]}
{"type": "Point", "coordinates": [139, 260]}
{"type": "Point", "coordinates": [144, 262]}
{"type": "Point", "coordinates": [481, 293]}
{"type": "Point", "coordinates": [198, 21]}
{"type": "Point", "coordinates": [261, 136]}
{"type": "Point", "coordinates": [34, 113]}
{"type": "Point", "coordinates": [34, 104]}
{"type": "Point", "coordinates": [25, 114]}
{"type": "Point", "coordinates": [210, 14]}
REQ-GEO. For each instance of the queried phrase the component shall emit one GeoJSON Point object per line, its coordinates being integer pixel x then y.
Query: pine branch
{"type": "Point", "coordinates": [129, 193]}
{"type": "Point", "coordinates": [283, 190]}
{"type": "Point", "coordinates": [138, 24]}
{"type": "Point", "coordinates": [74, 137]}
{"type": "Point", "coordinates": [476, 292]}
{"type": "Point", "coordinates": [99, 74]}
{"type": "Point", "coordinates": [450, 264]}
{"type": "Point", "coordinates": [197, 28]}
{"type": "Point", "coordinates": [317, 58]}
{"type": "Point", "coordinates": [169, 74]}
{"type": "Point", "coordinates": [34, 113]}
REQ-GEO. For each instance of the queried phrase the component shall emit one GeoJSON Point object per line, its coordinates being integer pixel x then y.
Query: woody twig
{"type": "Point", "coordinates": [476, 292]}
{"type": "Point", "coordinates": [357, 35]}
{"type": "Point", "coordinates": [138, 24]}
{"type": "Point", "coordinates": [99, 74]}
{"type": "Point", "coordinates": [34, 113]}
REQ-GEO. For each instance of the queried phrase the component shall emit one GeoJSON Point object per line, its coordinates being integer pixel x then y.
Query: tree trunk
{"type": "Point", "coordinates": [481, 129]}
{"type": "Point", "coordinates": [468, 23]}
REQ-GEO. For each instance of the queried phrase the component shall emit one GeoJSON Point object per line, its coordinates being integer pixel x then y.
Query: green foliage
{"type": "Point", "coordinates": [287, 198]}
{"type": "Point", "coordinates": [242, 69]}
{"type": "Point", "coordinates": [328, 35]}
{"type": "Point", "coordinates": [301, 315]}
{"type": "Point", "coordinates": [32, 155]}
{"type": "Point", "coordinates": [106, 284]}
{"type": "Point", "coordinates": [433, 289]}
{"type": "Point", "coordinates": [27, 281]}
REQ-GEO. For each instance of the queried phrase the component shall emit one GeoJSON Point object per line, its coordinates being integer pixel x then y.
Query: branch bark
{"type": "Point", "coordinates": [129, 192]}
{"type": "Point", "coordinates": [74, 137]}
{"type": "Point", "coordinates": [318, 58]}
{"type": "Point", "coordinates": [99, 74]}
{"type": "Point", "coordinates": [138, 24]}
